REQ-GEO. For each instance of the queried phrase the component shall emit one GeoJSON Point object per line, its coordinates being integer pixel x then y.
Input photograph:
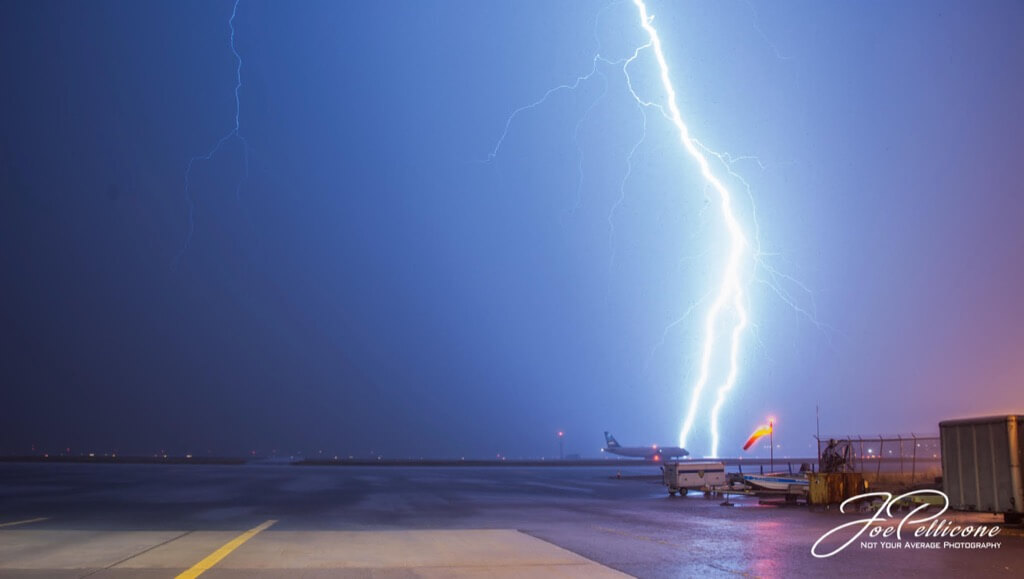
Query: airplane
{"type": "Point", "coordinates": [653, 452]}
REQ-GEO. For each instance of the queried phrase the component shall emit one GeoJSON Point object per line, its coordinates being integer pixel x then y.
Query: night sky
{"type": "Point", "coordinates": [375, 286]}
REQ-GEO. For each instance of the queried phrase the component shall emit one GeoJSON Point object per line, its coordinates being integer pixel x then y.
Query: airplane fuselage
{"type": "Point", "coordinates": [648, 452]}
{"type": "Point", "coordinates": [653, 452]}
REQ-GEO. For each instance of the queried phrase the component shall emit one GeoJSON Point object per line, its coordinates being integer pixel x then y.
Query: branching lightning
{"type": "Point", "coordinates": [730, 292]}
{"type": "Point", "coordinates": [232, 134]}
{"type": "Point", "coordinates": [727, 314]}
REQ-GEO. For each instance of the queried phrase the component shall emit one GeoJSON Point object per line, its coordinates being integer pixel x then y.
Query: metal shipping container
{"type": "Point", "coordinates": [982, 464]}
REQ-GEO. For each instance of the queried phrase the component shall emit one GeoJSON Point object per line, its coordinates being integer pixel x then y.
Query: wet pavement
{"type": "Point", "coordinates": [629, 524]}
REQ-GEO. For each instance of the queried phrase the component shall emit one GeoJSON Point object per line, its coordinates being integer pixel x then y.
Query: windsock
{"type": "Point", "coordinates": [761, 431]}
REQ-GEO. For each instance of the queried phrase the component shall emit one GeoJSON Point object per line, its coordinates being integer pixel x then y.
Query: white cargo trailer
{"type": "Point", "coordinates": [682, 476]}
{"type": "Point", "coordinates": [982, 461]}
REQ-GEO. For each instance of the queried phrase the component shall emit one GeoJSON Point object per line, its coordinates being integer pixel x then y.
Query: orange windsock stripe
{"type": "Point", "coordinates": [761, 431]}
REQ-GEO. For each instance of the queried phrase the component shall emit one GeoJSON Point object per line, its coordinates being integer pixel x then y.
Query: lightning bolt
{"type": "Point", "coordinates": [727, 315]}
{"type": "Point", "coordinates": [232, 134]}
{"type": "Point", "coordinates": [730, 292]}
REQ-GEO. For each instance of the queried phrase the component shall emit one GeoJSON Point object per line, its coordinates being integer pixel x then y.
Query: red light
{"type": "Point", "coordinates": [657, 457]}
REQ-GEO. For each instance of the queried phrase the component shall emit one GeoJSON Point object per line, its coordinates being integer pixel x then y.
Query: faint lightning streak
{"type": "Point", "coordinates": [515, 114]}
{"type": "Point", "coordinates": [622, 189]}
{"type": "Point", "coordinates": [575, 84]}
{"type": "Point", "coordinates": [641, 106]}
{"type": "Point", "coordinates": [731, 289]}
{"type": "Point", "coordinates": [764, 36]}
{"type": "Point", "coordinates": [579, 150]}
{"type": "Point", "coordinates": [234, 133]}
{"type": "Point", "coordinates": [668, 329]}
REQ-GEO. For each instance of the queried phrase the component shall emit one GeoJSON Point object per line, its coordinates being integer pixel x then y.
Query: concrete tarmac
{"type": "Point", "coordinates": [163, 520]}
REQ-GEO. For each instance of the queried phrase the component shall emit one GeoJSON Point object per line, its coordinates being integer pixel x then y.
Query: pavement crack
{"type": "Point", "coordinates": [134, 555]}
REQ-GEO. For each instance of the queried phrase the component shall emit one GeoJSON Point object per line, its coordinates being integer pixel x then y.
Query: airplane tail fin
{"type": "Point", "coordinates": [610, 440]}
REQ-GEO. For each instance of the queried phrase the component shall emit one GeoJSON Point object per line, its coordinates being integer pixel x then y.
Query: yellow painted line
{"type": "Point", "coordinates": [25, 522]}
{"type": "Point", "coordinates": [226, 549]}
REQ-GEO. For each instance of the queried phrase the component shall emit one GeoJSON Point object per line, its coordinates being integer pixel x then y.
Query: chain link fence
{"type": "Point", "coordinates": [909, 458]}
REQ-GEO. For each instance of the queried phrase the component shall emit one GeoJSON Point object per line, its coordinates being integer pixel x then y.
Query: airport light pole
{"type": "Point", "coordinates": [561, 453]}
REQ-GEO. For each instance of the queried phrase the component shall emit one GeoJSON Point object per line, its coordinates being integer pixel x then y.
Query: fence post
{"type": "Point", "coordinates": [913, 460]}
{"type": "Point", "coordinates": [900, 437]}
{"type": "Point", "coordinates": [878, 467]}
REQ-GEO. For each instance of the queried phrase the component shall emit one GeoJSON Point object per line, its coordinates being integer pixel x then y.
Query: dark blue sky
{"type": "Point", "coordinates": [374, 286]}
